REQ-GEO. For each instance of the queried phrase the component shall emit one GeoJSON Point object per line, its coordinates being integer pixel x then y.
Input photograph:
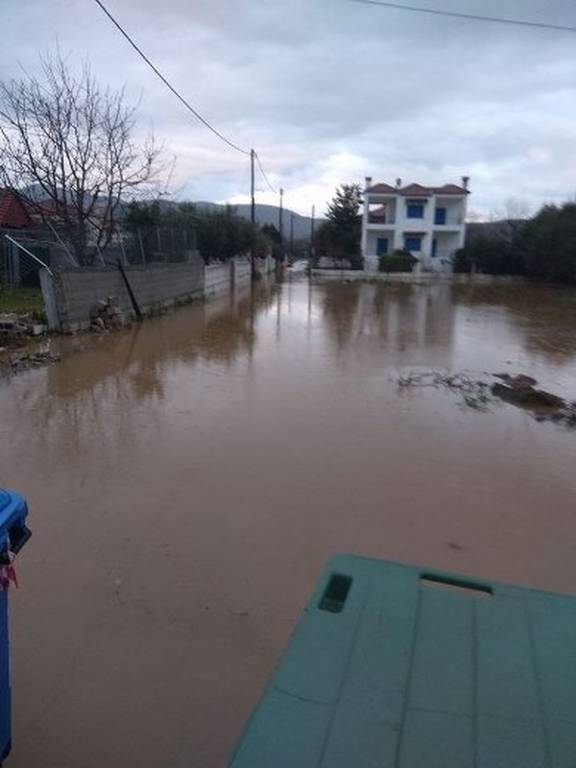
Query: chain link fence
{"type": "Point", "coordinates": [18, 268]}
{"type": "Point", "coordinates": [154, 244]}
{"type": "Point", "coordinates": [145, 245]}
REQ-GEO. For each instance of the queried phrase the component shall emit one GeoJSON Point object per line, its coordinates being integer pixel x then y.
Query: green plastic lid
{"type": "Point", "coordinates": [394, 666]}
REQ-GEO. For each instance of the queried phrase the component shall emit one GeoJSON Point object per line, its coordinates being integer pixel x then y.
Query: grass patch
{"type": "Point", "coordinates": [21, 300]}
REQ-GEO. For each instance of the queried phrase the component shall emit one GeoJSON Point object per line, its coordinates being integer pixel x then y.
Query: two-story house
{"type": "Point", "coordinates": [430, 222]}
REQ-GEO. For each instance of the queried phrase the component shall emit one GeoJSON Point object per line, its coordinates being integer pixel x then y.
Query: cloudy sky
{"type": "Point", "coordinates": [331, 91]}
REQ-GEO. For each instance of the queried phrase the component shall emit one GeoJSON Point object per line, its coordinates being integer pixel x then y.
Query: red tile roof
{"type": "Point", "coordinates": [383, 189]}
{"type": "Point", "coordinates": [13, 213]}
{"type": "Point", "coordinates": [41, 210]}
{"type": "Point", "coordinates": [451, 189]}
{"type": "Point", "coordinates": [417, 190]}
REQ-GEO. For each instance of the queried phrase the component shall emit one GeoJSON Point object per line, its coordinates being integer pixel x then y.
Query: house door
{"type": "Point", "coordinates": [440, 217]}
{"type": "Point", "coordinates": [382, 247]}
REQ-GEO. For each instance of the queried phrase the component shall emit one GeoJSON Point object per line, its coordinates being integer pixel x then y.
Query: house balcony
{"type": "Point", "coordinates": [383, 221]}
{"type": "Point", "coordinates": [448, 222]}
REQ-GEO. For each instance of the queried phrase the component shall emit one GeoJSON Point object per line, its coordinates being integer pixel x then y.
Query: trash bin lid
{"type": "Point", "coordinates": [392, 665]}
{"type": "Point", "coordinates": [13, 512]}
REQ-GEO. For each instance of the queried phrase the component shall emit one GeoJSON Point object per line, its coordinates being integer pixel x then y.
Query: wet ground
{"type": "Point", "coordinates": [188, 479]}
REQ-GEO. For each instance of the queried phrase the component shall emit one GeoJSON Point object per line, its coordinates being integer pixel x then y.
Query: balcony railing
{"type": "Point", "coordinates": [374, 218]}
{"type": "Point", "coordinates": [449, 221]}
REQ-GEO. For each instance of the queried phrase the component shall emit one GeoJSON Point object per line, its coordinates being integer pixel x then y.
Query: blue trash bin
{"type": "Point", "coordinates": [13, 535]}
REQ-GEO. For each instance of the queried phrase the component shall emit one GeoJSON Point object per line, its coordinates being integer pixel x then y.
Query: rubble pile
{"type": "Point", "coordinates": [106, 316]}
{"type": "Point", "coordinates": [17, 326]}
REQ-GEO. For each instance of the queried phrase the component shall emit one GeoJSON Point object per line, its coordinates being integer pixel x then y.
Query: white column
{"type": "Point", "coordinates": [464, 209]}
{"type": "Point", "coordinates": [400, 208]}
{"type": "Point", "coordinates": [365, 230]}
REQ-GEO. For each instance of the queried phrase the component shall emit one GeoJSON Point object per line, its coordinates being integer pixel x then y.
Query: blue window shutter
{"type": "Point", "coordinates": [440, 217]}
{"type": "Point", "coordinates": [382, 247]}
{"type": "Point", "coordinates": [415, 211]}
{"type": "Point", "coordinates": [413, 243]}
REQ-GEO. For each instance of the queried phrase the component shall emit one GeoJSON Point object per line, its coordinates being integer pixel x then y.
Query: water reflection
{"type": "Point", "coordinates": [216, 331]}
{"type": "Point", "coordinates": [410, 323]}
{"type": "Point", "coordinates": [418, 324]}
{"type": "Point", "coordinates": [542, 315]}
{"type": "Point", "coordinates": [93, 394]}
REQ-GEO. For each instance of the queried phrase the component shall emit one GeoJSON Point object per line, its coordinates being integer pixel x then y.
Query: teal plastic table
{"type": "Point", "coordinates": [392, 666]}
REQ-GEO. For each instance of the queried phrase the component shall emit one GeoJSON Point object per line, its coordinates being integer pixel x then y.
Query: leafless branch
{"type": "Point", "coordinates": [67, 143]}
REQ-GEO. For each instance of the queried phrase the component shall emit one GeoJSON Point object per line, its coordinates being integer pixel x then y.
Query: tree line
{"type": "Point", "coordinates": [542, 247]}
{"type": "Point", "coordinates": [218, 234]}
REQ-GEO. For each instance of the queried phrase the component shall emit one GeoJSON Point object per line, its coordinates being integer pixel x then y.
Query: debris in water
{"type": "Point", "coordinates": [520, 381]}
{"type": "Point", "coordinates": [518, 392]}
{"type": "Point", "coordinates": [515, 389]}
{"type": "Point", "coordinates": [23, 361]}
{"type": "Point", "coordinates": [475, 392]}
{"type": "Point", "coordinates": [457, 381]}
{"type": "Point", "coordinates": [455, 546]}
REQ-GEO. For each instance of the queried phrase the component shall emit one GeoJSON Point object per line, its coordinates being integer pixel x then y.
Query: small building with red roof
{"type": "Point", "coordinates": [13, 211]}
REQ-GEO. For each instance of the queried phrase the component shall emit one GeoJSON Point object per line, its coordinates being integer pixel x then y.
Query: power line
{"type": "Point", "coordinates": [270, 187]}
{"type": "Point", "coordinates": [181, 98]}
{"type": "Point", "coordinates": [467, 16]}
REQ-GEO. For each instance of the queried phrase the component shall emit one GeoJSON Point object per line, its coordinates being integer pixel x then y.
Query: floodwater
{"type": "Point", "coordinates": [188, 479]}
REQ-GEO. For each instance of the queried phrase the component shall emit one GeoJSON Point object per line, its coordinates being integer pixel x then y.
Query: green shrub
{"type": "Point", "coordinates": [490, 255]}
{"type": "Point", "coordinates": [397, 261]}
{"type": "Point", "coordinates": [462, 261]}
{"type": "Point", "coordinates": [356, 262]}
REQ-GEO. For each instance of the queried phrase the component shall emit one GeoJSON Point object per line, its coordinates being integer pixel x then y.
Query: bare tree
{"type": "Point", "coordinates": [517, 209]}
{"type": "Point", "coordinates": [71, 142]}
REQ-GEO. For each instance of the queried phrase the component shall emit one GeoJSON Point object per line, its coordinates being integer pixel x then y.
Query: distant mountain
{"type": "Point", "coordinates": [268, 214]}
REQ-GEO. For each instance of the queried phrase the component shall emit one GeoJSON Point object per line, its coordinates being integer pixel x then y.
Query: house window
{"type": "Point", "coordinates": [415, 210]}
{"type": "Point", "coordinates": [440, 216]}
{"type": "Point", "coordinates": [382, 246]}
{"type": "Point", "coordinates": [413, 243]}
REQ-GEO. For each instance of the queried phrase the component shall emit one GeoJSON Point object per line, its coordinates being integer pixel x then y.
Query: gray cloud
{"type": "Point", "coordinates": [329, 91]}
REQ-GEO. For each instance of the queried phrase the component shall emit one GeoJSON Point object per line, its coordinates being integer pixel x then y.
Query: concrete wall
{"type": "Point", "coordinates": [220, 278]}
{"type": "Point", "coordinates": [217, 279]}
{"type": "Point", "coordinates": [72, 292]}
{"type": "Point", "coordinates": [76, 290]}
{"type": "Point", "coordinates": [419, 278]}
{"type": "Point", "coordinates": [243, 271]}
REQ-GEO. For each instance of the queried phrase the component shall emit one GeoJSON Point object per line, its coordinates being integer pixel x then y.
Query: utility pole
{"type": "Point", "coordinates": [252, 217]}
{"type": "Point", "coordinates": [312, 239]}
{"type": "Point", "coordinates": [281, 217]}
{"type": "Point", "coordinates": [292, 235]}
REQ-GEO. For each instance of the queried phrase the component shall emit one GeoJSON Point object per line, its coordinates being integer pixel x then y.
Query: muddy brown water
{"type": "Point", "coordinates": [188, 479]}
